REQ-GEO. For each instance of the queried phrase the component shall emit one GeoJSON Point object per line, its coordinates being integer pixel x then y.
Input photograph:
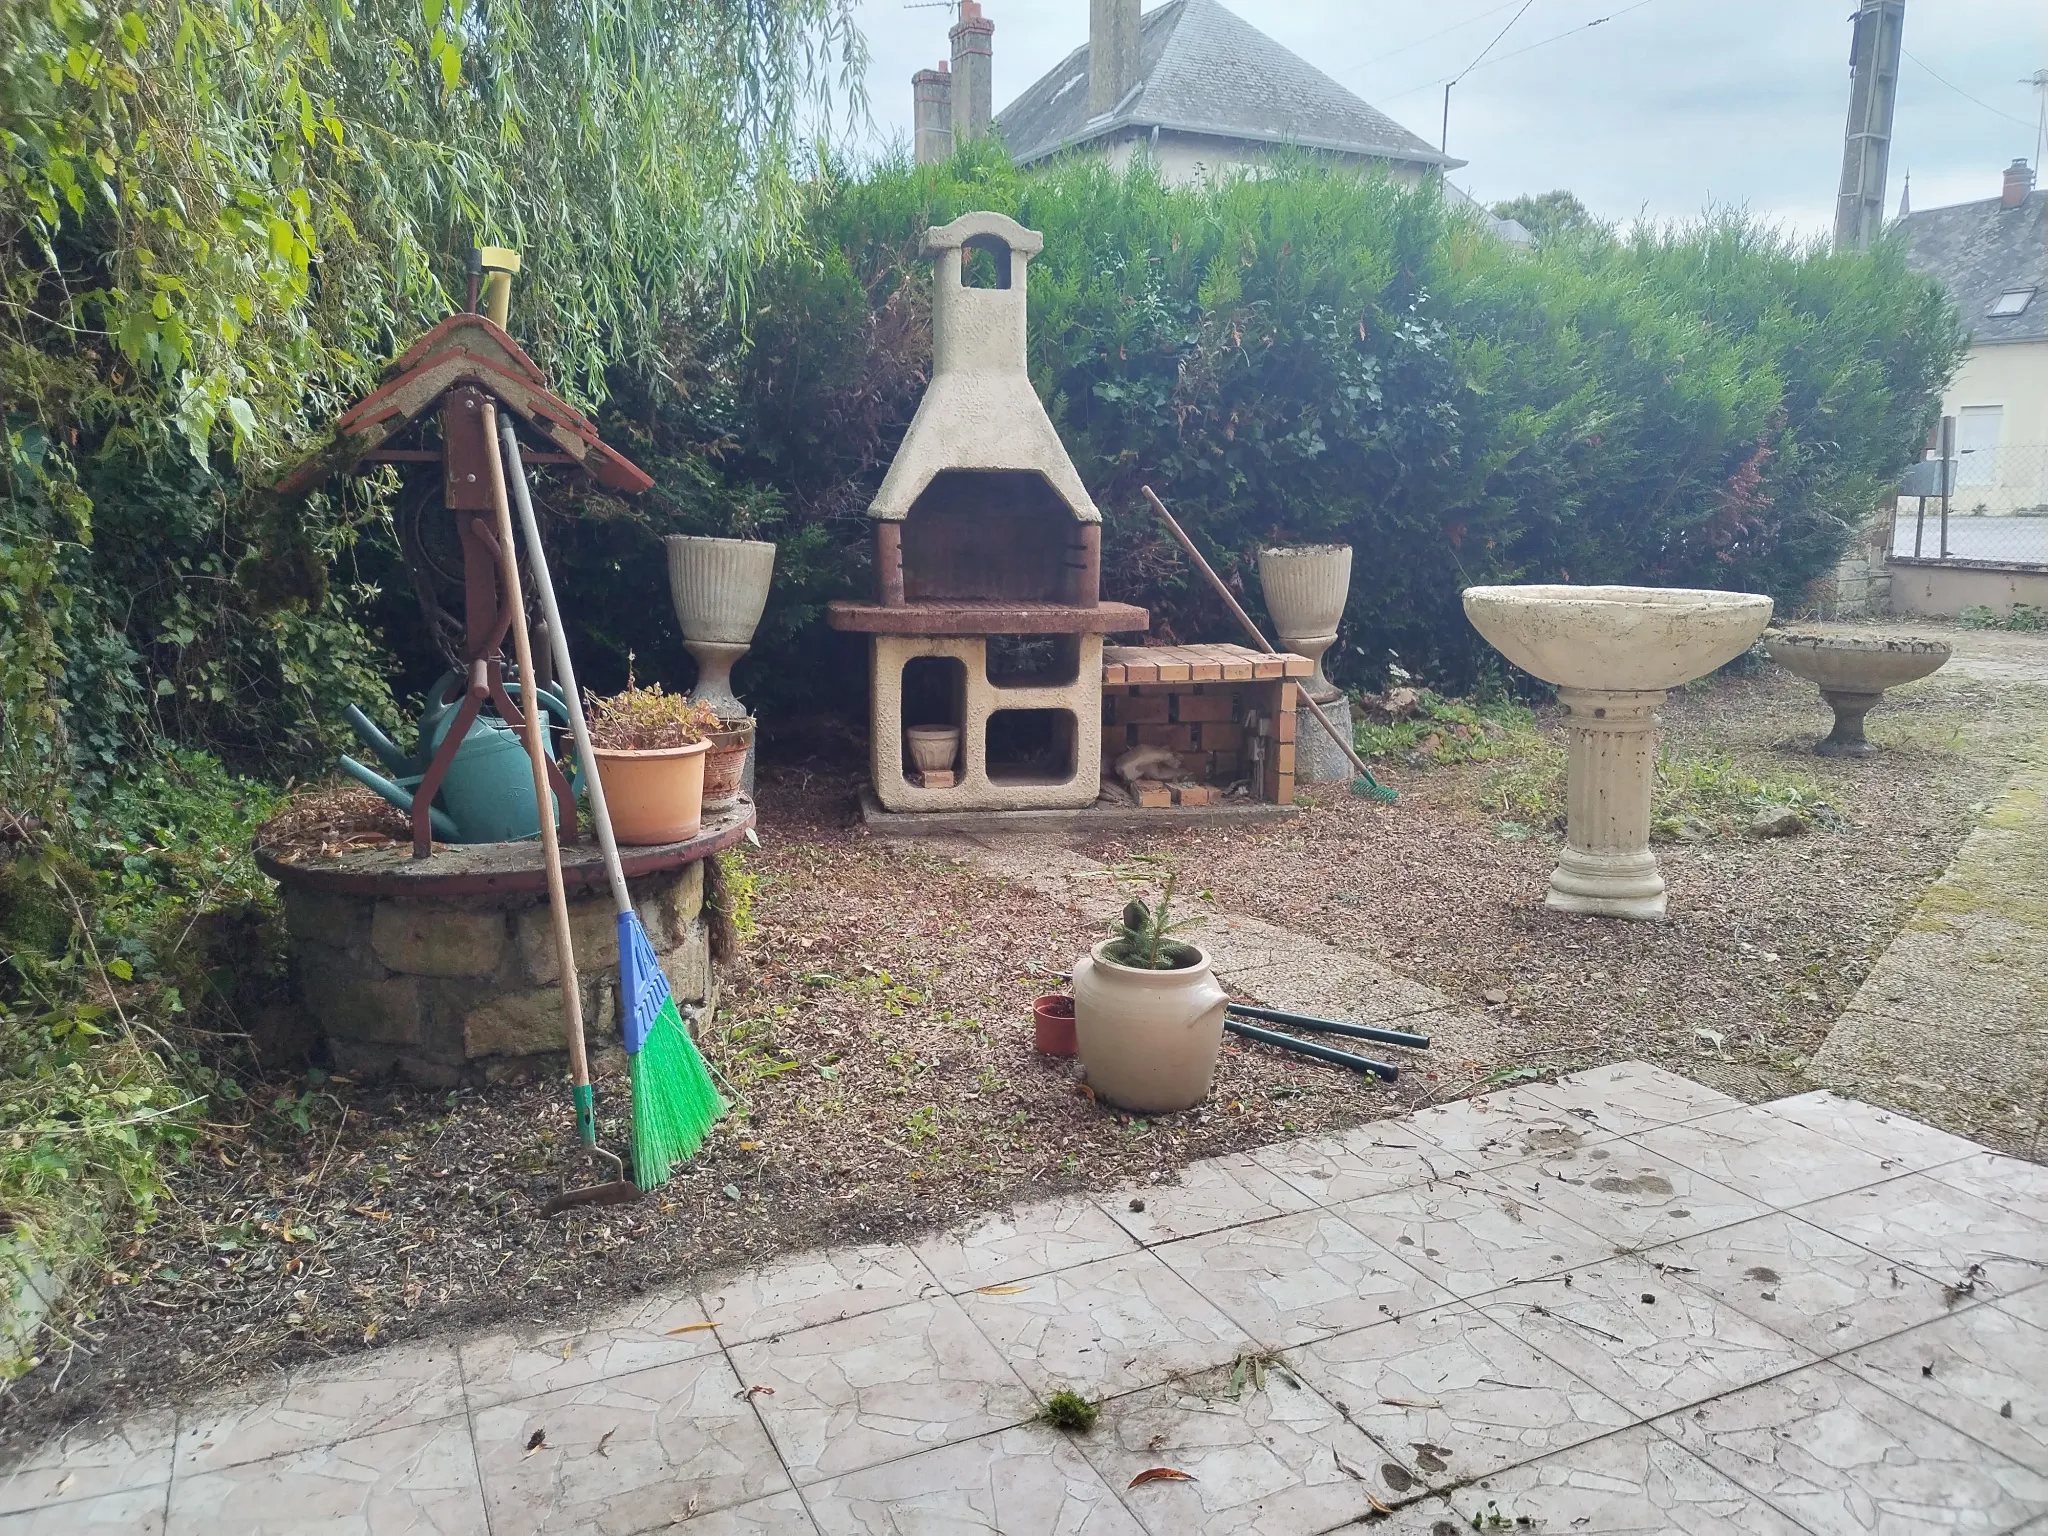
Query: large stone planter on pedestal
{"type": "Point", "coordinates": [720, 587]}
{"type": "Point", "coordinates": [1613, 653]}
{"type": "Point", "coordinates": [1306, 589]}
{"type": "Point", "coordinates": [1853, 672]}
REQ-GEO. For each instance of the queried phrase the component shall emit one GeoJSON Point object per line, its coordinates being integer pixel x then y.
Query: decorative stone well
{"type": "Point", "coordinates": [446, 970]}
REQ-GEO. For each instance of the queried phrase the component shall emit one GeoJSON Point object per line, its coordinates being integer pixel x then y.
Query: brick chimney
{"type": "Point", "coordinates": [1112, 53]}
{"type": "Point", "coordinates": [973, 73]}
{"type": "Point", "coordinates": [2019, 181]}
{"type": "Point", "coordinates": [933, 89]}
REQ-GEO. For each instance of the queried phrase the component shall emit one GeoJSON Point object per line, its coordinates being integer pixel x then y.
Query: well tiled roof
{"type": "Point", "coordinates": [1981, 251]}
{"type": "Point", "coordinates": [1204, 70]}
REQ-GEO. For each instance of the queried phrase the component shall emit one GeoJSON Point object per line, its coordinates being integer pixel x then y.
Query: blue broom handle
{"type": "Point", "coordinates": [558, 639]}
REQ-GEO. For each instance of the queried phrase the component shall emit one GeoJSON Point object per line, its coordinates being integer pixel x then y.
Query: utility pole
{"type": "Point", "coordinates": [1873, 96]}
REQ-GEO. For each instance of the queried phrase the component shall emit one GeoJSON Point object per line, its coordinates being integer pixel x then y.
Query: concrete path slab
{"type": "Point", "coordinates": [1952, 1023]}
{"type": "Point", "coordinates": [1618, 1302]}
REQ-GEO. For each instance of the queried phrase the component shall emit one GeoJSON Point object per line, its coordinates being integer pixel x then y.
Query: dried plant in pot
{"type": "Point", "coordinates": [651, 748]}
{"type": "Point", "coordinates": [1148, 1014]}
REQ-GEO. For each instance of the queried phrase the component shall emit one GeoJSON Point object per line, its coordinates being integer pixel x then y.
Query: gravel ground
{"type": "Point", "coordinates": [877, 1036]}
{"type": "Point", "coordinates": [1767, 940]}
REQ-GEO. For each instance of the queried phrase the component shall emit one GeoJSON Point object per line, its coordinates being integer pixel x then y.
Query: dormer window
{"type": "Point", "coordinates": [2013, 302]}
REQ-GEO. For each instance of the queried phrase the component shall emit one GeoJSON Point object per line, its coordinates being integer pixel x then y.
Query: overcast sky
{"type": "Point", "coordinates": [1671, 106]}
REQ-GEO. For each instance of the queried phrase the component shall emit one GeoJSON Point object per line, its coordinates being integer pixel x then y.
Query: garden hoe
{"type": "Point", "coordinates": [675, 1103]}
{"type": "Point", "coordinates": [1365, 786]}
{"type": "Point", "coordinates": [619, 1189]}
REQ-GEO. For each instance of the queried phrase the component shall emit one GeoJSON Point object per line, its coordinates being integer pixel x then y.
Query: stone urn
{"type": "Point", "coordinates": [933, 748]}
{"type": "Point", "coordinates": [1612, 653]}
{"type": "Point", "coordinates": [720, 587]}
{"type": "Point", "coordinates": [1306, 589]}
{"type": "Point", "coordinates": [1853, 672]}
{"type": "Point", "coordinates": [1149, 1039]}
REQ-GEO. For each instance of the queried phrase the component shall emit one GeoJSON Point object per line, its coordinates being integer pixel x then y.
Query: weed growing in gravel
{"type": "Point", "coordinates": [1444, 731]}
{"type": "Point", "coordinates": [2023, 616]}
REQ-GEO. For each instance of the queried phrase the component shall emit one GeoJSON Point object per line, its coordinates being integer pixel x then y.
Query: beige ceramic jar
{"type": "Point", "coordinates": [1149, 1039]}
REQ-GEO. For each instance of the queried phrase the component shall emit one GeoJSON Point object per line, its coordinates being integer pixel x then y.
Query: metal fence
{"type": "Point", "coordinates": [1995, 510]}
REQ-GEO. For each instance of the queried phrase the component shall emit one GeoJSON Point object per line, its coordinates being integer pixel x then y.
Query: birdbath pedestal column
{"type": "Point", "coordinates": [1607, 868]}
{"type": "Point", "coordinates": [1613, 653]}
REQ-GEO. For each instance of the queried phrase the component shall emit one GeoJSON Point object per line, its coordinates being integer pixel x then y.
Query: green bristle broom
{"type": "Point", "coordinates": [675, 1103]}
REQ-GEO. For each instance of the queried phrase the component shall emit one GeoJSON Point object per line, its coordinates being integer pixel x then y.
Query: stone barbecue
{"type": "Point", "coordinates": [988, 618]}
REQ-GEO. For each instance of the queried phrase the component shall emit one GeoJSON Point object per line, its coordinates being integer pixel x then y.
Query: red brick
{"type": "Point", "coordinates": [1222, 738]}
{"type": "Point", "coordinates": [1140, 710]}
{"type": "Point", "coordinates": [1155, 799]}
{"type": "Point", "coordinates": [1175, 738]}
{"type": "Point", "coordinates": [1288, 725]}
{"type": "Point", "coordinates": [1202, 708]}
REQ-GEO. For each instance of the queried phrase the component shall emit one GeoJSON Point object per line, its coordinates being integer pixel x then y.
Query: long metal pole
{"type": "Point", "coordinates": [1331, 1054]}
{"type": "Point", "coordinates": [1318, 1026]}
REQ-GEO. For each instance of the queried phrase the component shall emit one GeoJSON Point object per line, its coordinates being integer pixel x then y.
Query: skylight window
{"type": "Point", "coordinates": [2013, 301]}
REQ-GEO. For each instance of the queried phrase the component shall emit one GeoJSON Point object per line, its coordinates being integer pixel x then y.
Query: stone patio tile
{"type": "Point", "coordinates": [1768, 1157]}
{"type": "Point", "coordinates": [1112, 1326]}
{"type": "Point", "coordinates": [138, 1512]}
{"type": "Point", "coordinates": [1451, 1395]}
{"type": "Point", "coordinates": [625, 1454]}
{"type": "Point", "coordinates": [1271, 1461]}
{"type": "Point", "coordinates": [2012, 1182]}
{"type": "Point", "coordinates": [91, 1460]}
{"type": "Point", "coordinates": [1366, 1160]}
{"type": "Point", "coordinates": [1511, 1126]}
{"type": "Point", "coordinates": [1648, 1341]}
{"type": "Point", "coordinates": [323, 1405]}
{"type": "Point", "coordinates": [1297, 1278]}
{"type": "Point", "coordinates": [1819, 1290]}
{"type": "Point", "coordinates": [1212, 1194]}
{"type": "Point", "coordinates": [1636, 1482]}
{"type": "Point", "coordinates": [1631, 1195]}
{"type": "Point", "coordinates": [1474, 1237]}
{"type": "Point", "coordinates": [1903, 1144]}
{"type": "Point", "coordinates": [782, 1515]}
{"type": "Point", "coordinates": [1942, 1231]}
{"type": "Point", "coordinates": [1026, 1481]}
{"type": "Point", "coordinates": [1983, 1371]}
{"type": "Point", "coordinates": [878, 1388]}
{"type": "Point", "coordinates": [1844, 1459]}
{"type": "Point", "coordinates": [1630, 1096]}
{"type": "Point", "coordinates": [1032, 1240]}
{"type": "Point", "coordinates": [813, 1288]}
{"type": "Point", "coordinates": [403, 1482]}
{"type": "Point", "coordinates": [525, 1362]}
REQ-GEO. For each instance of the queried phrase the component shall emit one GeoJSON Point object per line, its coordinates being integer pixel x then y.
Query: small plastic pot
{"type": "Point", "coordinates": [1053, 1020]}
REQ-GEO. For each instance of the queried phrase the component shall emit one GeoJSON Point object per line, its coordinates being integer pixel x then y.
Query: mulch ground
{"type": "Point", "coordinates": [876, 1034]}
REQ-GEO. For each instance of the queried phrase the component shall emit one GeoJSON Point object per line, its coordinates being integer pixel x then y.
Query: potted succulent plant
{"type": "Point", "coordinates": [650, 748]}
{"type": "Point", "coordinates": [1148, 1014]}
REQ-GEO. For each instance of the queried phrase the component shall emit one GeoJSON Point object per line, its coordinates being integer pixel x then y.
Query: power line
{"type": "Point", "coordinates": [1558, 37]}
{"type": "Point", "coordinates": [1909, 53]}
{"type": "Point", "coordinates": [1445, 146]}
{"type": "Point", "coordinates": [1456, 26]}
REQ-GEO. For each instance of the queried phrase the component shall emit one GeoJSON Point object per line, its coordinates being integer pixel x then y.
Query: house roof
{"type": "Point", "coordinates": [1204, 70]}
{"type": "Point", "coordinates": [1981, 251]}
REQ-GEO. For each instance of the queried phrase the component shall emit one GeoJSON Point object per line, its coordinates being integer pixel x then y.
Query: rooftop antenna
{"type": "Point", "coordinates": [1867, 142]}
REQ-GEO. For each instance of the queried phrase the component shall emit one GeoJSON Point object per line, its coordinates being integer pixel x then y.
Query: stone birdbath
{"type": "Point", "coordinates": [1612, 653]}
{"type": "Point", "coordinates": [1853, 672]}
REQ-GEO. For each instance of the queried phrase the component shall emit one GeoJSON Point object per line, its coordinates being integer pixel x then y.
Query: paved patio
{"type": "Point", "coordinates": [1622, 1303]}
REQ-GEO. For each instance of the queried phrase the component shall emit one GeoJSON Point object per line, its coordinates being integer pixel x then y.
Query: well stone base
{"type": "Point", "coordinates": [466, 989]}
{"type": "Point", "coordinates": [1317, 758]}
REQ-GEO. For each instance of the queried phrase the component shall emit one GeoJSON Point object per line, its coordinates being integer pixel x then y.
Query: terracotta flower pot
{"type": "Point", "coordinates": [1149, 1039]}
{"type": "Point", "coordinates": [654, 797]}
{"type": "Point", "coordinates": [725, 767]}
{"type": "Point", "coordinates": [1053, 1020]}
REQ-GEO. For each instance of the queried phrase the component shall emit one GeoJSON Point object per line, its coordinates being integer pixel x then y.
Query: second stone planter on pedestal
{"type": "Point", "coordinates": [1306, 588]}
{"type": "Point", "coordinates": [1613, 653]}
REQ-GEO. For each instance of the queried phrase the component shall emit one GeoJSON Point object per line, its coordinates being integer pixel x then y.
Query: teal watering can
{"type": "Point", "coordinates": [487, 793]}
